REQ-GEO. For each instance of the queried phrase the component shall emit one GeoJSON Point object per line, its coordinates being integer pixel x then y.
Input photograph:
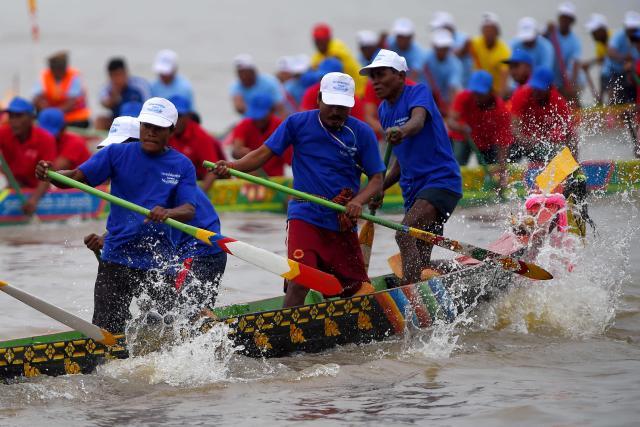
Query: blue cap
{"type": "Point", "coordinates": [131, 109]}
{"type": "Point", "coordinates": [330, 65]}
{"type": "Point", "coordinates": [259, 106]}
{"type": "Point", "coordinates": [518, 56]}
{"type": "Point", "coordinates": [20, 105]}
{"type": "Point", "coordinates": [51, 120]}
{"type": "Point", "coordinates": [480, 82]}
{"type": "Point", "coordinates": [183, 105]}
{"type": "Point", "coordinates": [541, 79]}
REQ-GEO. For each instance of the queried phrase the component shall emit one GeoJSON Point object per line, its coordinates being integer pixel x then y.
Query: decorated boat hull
{"type": "Point", "coordinates": [264, 329]}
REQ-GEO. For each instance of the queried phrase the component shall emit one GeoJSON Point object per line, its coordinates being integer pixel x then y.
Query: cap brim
{"type": "Point", "coordinates": [257, 114]}
{"type": "Point", "coordinates": [154, 120]}
{"type": "Point", "coordinates": [365, 71]}
{"type": "Point", "coordinates": [112, 139]}
{"type": "Point", "coordinates": [338, 99]}
{"type": "Point", "coordinates": [162, 68]}
{"type": "Point", "coordinates": [479, 89]}
{"type": "Point", "coordinates": [51, 130]}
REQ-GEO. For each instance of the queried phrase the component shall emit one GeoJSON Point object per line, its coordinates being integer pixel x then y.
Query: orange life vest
{"type": "Point", "coordinates": [56, 94]}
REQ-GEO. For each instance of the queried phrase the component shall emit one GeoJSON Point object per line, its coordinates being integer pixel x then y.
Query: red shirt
{"type": "Point", "coordinates": [551, 122]}
{"type": "Point", "coordinates": [73, 148]}
{"type": "Point", "coordinates": [310, 102]}
{"type": "Point", "coordinates": [253, 138]}
{"type": "Point", "coordinates": [488, 127]}
{"type": "Point", "coordinates": [198, 146]}
{"type": "Point", "coordinates": [22, 157]}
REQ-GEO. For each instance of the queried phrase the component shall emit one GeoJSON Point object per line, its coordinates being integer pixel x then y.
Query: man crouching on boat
{"type": "Point", "coordinates": [330, 152]}
{"type": "Point", "coordinates": [148, 173]}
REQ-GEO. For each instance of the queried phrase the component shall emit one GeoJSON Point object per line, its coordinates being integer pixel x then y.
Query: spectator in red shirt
{"type": "Point", "coordinates": [310, 97]}
{"type": "Point", "coordinates": [480, 117]}
{"type": "Point", "coordinates": [257, 126]}
{"type": "Point", "coordinates": [193, 141]}
{"type": "Point", "coordinates": [542, 120]}
{"type": "Point", "coordinates": [72, 149]}
{"type": "Point", "coordinates": [22, 144]}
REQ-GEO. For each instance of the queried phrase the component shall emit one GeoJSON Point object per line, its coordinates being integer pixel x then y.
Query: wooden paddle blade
{"type": "Point", "coordinates": [560, 167]}
{"type": "Point", "coordinates": [71, 320]}
{"type": "Point", "coordinates": [395, 262]}
{"type": "Point", "coordinates": [366, 242]}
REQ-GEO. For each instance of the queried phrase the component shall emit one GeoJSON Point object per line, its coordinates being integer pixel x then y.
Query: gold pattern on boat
{"type": "Point", "coordinates": [331, 328]}
{"type": "Point", "coordinates": [9, 356]}
{"type": "Point", "coordinates": [50, 351]}
{"type": "Point", "coordinates": [30, 371]}
{"type": "Point", "coordinates": [29, 354]}
{"type": "Point", "coordinates": [69, 349]}
{"type": "Point", "coordinates": [90, 346]}
{"type": "Point", "coordinates": [296, 335]}
{"type": "Point", "coordinates": [71, 367]}
{"type": "Point", "coordinates": [364, 321]}
{"type": "Point", "coordinates": [262, 341]}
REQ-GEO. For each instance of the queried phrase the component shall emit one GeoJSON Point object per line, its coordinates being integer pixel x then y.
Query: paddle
{"type": "Point", "coordinates": [71, 320]}
{"type": "Point", "coordinates": [289, 269]}
{"type": "Point", "coordinates": [515, 265]}
{"type": "Point", "coordinates": [368, 230]}
{"type": "Point", "coordinates": [560, 167]}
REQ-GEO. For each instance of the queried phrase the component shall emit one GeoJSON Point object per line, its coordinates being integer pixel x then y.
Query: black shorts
{"type": "Point", "coordinates": [444, 201]}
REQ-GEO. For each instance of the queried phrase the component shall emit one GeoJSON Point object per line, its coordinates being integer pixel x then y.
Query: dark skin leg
{"type": "Point", "coordinates": [295, 295]}
{"type": "Point", "coordinates": [416, 254]}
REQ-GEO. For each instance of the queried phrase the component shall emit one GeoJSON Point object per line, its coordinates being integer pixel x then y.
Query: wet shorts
{"type": "Point", "coordinates": [444, 201]}
{"type": "Point", "coordinates": [334, 252]}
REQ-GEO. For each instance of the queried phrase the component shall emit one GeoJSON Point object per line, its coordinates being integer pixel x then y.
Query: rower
{"type": "Point", "coordinates": [251, 83]}
{"type": "Point", "coordinates": [489, 50]}
{"type": "Point", "coordinates": [520, 67]}
{"type": "Point", "coordinates": [542, 120]}
{"type": "Point", "coordinates": [169, 82]}
{"type": "Point", "coordinates": [22, 144]}
{"type": "Point", "coordinates": [72, 148]}
{"type": "Point", "coordinates": [330, 152]}
{"type": "Point", "coordinates": [147, 173]}
{"type": "Point", "coordinates": [428, 172]}
{"type": "Point", "coordinates": [529, 40]}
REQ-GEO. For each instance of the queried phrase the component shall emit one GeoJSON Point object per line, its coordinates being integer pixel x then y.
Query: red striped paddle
{"type": "Point", "coordinates": [292, 270]}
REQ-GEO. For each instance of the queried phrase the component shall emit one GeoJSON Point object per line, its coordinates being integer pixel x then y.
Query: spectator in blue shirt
{"type": "Point", "coordinates": [169, 83]}
{"type": "Point", "coordinates": [402, 42]}
{"type": "Point", "coordinates": [122, 88]}
{"type": "Point", "coordinates": [442, 70]}
{"type": "Point", "coordinates": [369, 45]}
{"type": "Point", "coordinates": [251, 83]}
{"type": "Point", "coordinates": [620, 90]}
{"type": "Point", "coordinates": [425, 166]}
{"type": "Point", "coordinates": [528, 40]}
{"type": "Point", "coordinates": [567, 49]}
{"type": "Point", "coordinates": [150, 174]}
{"type": "Point", "coordinates": [461, 42]}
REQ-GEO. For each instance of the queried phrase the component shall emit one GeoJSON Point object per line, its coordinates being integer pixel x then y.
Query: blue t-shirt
{"type": "Point", "coordinates": [167, 180]}
{"type": "Point", "coordinates": [178, 87]}
{"type": "Point", "coordinates": [295, 88]}
{"type": "Point", "coordinates": [542, 52]}
{"type": "Point", "coordinates": [265, 85]}
{"type": "Point", "coordinates": [571, 50]}
{"type": "Point", "coordinates": [137, 90]}
{"type": "Point", "coordinates": [322, 166]}
{"type": "Point", "coordinates": [447, 74]}
{"type": "Point", "coordinates": [623, 45]}
{"type": "Point", "coordinates": [414, 55]}
{"type": "Point", "coordinates": [205, 217]}
{"type": "Point", "coordinates": [426, 159]}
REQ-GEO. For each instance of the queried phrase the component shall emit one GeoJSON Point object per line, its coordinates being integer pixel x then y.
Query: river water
{"type": "Point", "coordinates": [562, 353]}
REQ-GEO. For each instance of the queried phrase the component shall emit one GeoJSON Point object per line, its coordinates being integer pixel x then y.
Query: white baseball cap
{"type": "Point", "coordinates": [527, 29]}
{"type": "Point", "coordinates": [301, 63]}
{"type": "Point", "coordinates": [403, 27]}
{"type": "Point", "coordinates": [166, 62]}
{"type": "Point", "coordinates": [567, 8]}
{"type": "Point", "coordinates": [338, 89]}
{"type": "Point", "coordinates": [386, 58]}
{"type": "Point", "coordinates": [158, 111]}
{"type": "Point", "coordinates": [489, 18]}
{"type": "Point", "coordinates": [244, 61]}
{"type": "Point", "coordinates": [285, 64]}
{"type": "Point", "coordinates": [441, 19]}
{"type": "Point", "coordinates": [367, 38]}
{"type": "Point", "coordinates": [122, 128]}
{"type": "Point", "coordinates": [442, 37]}
{"type": "Point", "coordinates": [632, 19]}
{"type": "Point", "coordinates": [596, 21]}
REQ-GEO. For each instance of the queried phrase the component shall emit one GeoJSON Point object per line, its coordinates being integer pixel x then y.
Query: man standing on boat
{"type": "Point", "coordinates": [147, 173]}
{"type": "Point", "coordinates": [331, 150]}
{"type": "Point", "coordinates": [426, 167]}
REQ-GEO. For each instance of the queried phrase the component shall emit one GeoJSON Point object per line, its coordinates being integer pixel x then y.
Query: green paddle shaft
{"type": "Point", "coordinates": [185, 228]}
{"type": "Point", "coordinates": [305, 196]}
{"type": "Point", "coordinates": [13, 183]}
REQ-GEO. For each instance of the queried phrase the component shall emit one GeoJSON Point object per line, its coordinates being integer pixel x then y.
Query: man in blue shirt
{"type": "Point", "coordinates": [442, 70]}
{"type": "Point", "coordinates": [425, 165]}
{"type": "Point", "coordinates": [402, 42]}
{"type": "Point", "coordinates": [331, 150]}
{"type": "Point", "coordinates": [461, 42]}
{"type": "Point", "coordinates": [567, 49]}
{"type": "Point", "coordinates": [152, 175]}
{"type": "Point", "coordinates": [169, 83]}
{"type": "Point", "coordinates": [621, 50]}
{"type": "Point", "coordinates": [251, 83]}
{"type": "Point", "coordinates": [528, 40]}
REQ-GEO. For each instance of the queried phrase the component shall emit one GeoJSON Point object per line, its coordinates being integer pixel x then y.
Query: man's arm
{"type": "Point", "coordinates": [43, 166]}
{"type": "Point", "coordinates": [182, 213]}
{"type": "Point", "coordinates": [252, 161]}
{"type": "Point", "coordinates": [31, 204]}
{"type": "Point", "coordinates": [372, 189]}
{"type": "Point", "coordinates": [414, 125]}
{"type": "Point", "coordinates": [238, 104]}
{"type": "Point", "coordinates": [207, 182]}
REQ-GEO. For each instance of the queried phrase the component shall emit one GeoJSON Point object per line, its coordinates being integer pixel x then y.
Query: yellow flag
{"type": "Point", "coordinates": [560, 167]}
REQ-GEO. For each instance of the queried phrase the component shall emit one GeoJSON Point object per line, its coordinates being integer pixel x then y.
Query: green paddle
{"type": "Point", "coordinates": [515, 265]}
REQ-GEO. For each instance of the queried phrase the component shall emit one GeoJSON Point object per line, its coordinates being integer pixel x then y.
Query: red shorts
{"type": "Point", "coordinates": [333, 252]}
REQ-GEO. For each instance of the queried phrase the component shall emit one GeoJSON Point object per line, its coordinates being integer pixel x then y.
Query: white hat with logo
{"type": "Point", "coordinates": [158, 111]}
{"type": "Point", "coordinates": [527, 29]}
{"type": "Point", "coordinates": [595, 22]}
{"type": "Point", "coordinates": [442, 37]}
{"type": "Point", "coordinates": [338, 89]}
{"type": "Point", "coordinates": [122, 128]}
{"type": "Point", "coordinates": [166, 62]}
{"type": "Point", "coordinates": [403, 27]}
{"type": "Point", "coordinates": [386, 58]}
